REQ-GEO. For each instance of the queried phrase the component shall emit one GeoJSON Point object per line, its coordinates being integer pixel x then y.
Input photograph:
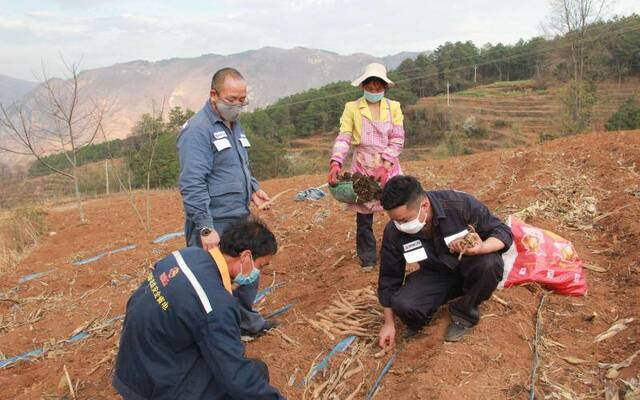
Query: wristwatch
{"type": "Point", "coordinates": [206, 231]}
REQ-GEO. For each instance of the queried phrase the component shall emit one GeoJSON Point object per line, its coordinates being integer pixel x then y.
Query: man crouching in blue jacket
{"type": "Point", "coordinates": [181, 333]}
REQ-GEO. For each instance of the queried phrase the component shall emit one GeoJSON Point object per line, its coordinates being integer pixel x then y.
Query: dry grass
{"type": "Point", "coordinates": [19, 232]}
{"type": "Point", "coordinates": [570, 200]}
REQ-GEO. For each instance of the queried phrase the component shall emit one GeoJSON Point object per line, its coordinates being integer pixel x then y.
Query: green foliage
{"type": "Point", "coordinates": [426, 125]}
{"type": "Point", "coordinates": [578, 100]}
{"type": "Point", "coordinates": [155, 140]}
{"type": "Point", "coordinates": [87, 154]}
{"type": "Point", "coordinates": [267, 159]}
{"type": "Point", "coordinates": [627, 117]}
{"type": "Point", "coordinates": [621, 53]}
{"type": "Point", "coordinates": [454, 142]}
{"type": "Point", "coordinates": [178, 117]}
{"type": "Point", "coordinates": [500, 123]}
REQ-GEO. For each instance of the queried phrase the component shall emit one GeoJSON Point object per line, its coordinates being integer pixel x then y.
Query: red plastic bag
{"type": "Point", "coordinates": [538, 255]}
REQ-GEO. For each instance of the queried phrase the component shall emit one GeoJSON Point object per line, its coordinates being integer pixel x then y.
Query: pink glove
{"type": "Point", "coordinates": [334, 170]}
{"type": "Point", "coordinates": [381, 174]}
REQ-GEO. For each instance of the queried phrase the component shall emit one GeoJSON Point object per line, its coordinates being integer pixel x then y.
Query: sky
{"type": "Point", "coordinates": [100, 33]}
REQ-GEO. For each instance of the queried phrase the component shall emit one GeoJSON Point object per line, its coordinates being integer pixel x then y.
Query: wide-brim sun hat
{"type": "Point", "coordinates": [373, 70]}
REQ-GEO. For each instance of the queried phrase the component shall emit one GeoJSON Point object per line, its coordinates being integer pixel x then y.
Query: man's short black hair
{"type": "Point", "coordinates": [374, 79]}
{"type": "Point", "coordinates": [219, 77]}
{"type": "Point", "coordinates": [251, 234]}
{"type": "Point", "coordinates": [401, 190]}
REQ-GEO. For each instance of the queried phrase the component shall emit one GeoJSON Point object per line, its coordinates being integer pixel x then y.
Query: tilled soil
{"type": "Point", "coordinates": [317, 260]}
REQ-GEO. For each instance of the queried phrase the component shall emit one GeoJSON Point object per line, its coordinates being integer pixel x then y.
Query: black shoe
{"type": "Point", "coordinates": [456, 331]}
{"type": "Point", "coordinates": [268, 325]}
{"type": "Point", "coordinates": [410, 332]}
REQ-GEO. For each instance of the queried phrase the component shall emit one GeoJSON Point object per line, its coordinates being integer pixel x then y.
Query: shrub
{"type": "Point", "coordinates": [455, 143]}
{"type": "Point", "coordinates": [627, 117]}
{"type": "Point", "coordinates": [577, 100]}
{"type": "Point", "coordinates": [500, 123]}
{"type": "Point", "coordinates": [474, 128]}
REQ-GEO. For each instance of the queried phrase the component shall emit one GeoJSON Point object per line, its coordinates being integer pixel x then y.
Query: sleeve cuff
{"type": "Point", "coordinates": [255, 186]}
{"type": "Point", "coordinates": [204, 221]}
{"type": "Point", "coordinates": [505, 238]}
{"type": "Point", "coordinates": [384, 299]}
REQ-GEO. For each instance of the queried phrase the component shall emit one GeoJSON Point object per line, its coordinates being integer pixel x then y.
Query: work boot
{"type": "Point", "coordinates": [268, 325]}
{"type": "Point", "coordinates": [456, 330]}
{"type": "Point", "coordinates": [368, 267]}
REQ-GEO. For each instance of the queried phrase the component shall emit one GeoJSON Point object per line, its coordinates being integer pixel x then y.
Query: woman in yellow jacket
{"type": "Point", "coordinates": [373, 125]}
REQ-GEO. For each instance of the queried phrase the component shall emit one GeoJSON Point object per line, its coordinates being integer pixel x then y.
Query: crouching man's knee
{"type": "Point", "coordinates": [261, 366]}
{"type": "Point", "coordinates": [402, 307]}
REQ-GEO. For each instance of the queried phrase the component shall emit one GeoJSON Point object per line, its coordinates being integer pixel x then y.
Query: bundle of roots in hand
{"type": "Point", "coordinates": [468, 241]}
{"type": "Point", "coordinates": [365, 187]}
{"type": "Point", "coordinates": [355, 312]}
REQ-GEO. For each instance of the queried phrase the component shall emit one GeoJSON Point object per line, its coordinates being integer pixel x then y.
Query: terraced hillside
{"type": "Point", "coordinates": [518, 113]}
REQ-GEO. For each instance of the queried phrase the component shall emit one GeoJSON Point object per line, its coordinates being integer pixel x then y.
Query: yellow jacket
{"type": "Point", "coordinates": [354, 111]}
{"type": "Point", "coordinates": [351, 129]}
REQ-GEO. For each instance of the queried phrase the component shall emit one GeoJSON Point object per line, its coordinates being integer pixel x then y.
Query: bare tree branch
{"type": "Point", "coordinates": [63, 121]}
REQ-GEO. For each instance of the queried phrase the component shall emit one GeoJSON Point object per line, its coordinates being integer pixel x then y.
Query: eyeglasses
{"type": "Point", "coordinates": [235, 103]}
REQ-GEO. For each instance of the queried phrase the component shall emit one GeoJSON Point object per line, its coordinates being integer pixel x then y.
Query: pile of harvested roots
{"type": "Point", "coordinates": [355, 312]}
{"type": "Point", "coordinates": [351, 313]}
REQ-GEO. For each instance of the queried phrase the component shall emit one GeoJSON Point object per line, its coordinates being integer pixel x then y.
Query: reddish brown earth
{"type": "Point", "coordinates": [493, 362]}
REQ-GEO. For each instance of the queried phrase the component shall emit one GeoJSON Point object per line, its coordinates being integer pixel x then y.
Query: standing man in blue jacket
{"type": "Point", "coordinates": [215, 179]}
{"type": "Point", "coordinates": [181, 333]}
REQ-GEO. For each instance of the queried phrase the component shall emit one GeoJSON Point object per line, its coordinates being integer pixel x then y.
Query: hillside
{"type": "Point", "coordinates": [553, 182]}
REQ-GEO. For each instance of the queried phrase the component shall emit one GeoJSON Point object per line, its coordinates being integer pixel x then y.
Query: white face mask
{"type": "Point", "coordinates": [411, 227]}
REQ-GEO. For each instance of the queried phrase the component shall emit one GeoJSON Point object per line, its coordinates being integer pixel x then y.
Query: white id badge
{"type": "Point", "coordinates": [416, 255]}
{"type": "Point", "coordinates": [220, 134]}
{"type": "Point", "coordinates": [245, 142]}
{"type": "Point", "coordinates": [222, 144]}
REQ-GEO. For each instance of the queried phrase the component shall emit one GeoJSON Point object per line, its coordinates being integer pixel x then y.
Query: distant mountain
{"type": "Point", "coordinates": [12, 89]}
{"type": "Point", "coordinates": [394, 60]}
{"type": "Point", "coordinates": [271, 73]}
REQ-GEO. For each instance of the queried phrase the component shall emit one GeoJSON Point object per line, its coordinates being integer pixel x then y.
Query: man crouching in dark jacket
{"type": "Point", "coordinates": [431, 228]}
{"type": "Point", "coordinates": [181, 333]}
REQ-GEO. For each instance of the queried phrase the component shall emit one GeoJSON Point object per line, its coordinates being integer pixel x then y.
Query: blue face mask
{"type": "Point", "coordinates": [373, 97]}
{"type": "Point", "coordinates": [244, 280]}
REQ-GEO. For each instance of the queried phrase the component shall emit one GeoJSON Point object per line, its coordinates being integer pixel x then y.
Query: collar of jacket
{"type": "Point", "coordinates": [211, 113]}
{"type": "Point", "coordinates": [366, 111]}
{"type": "Point", "coordinates": [223, 268]}
{"type": "Point", "coordinates": [438, 211]}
